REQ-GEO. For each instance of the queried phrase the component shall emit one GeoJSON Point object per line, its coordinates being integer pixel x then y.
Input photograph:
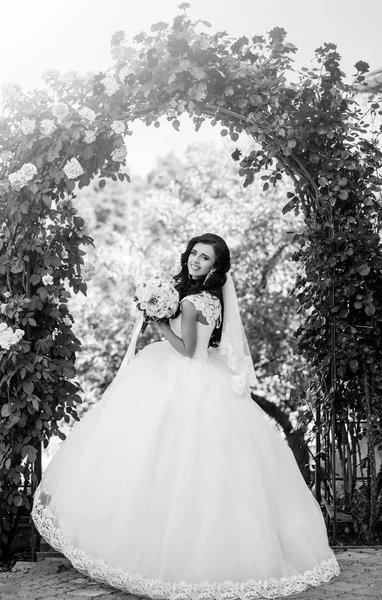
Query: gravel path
{"type": "Point", "coordinates": [55, 579]}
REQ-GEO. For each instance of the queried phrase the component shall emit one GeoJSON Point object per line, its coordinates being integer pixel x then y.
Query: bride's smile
{"type": "Point", "coordinates": [201, 260]}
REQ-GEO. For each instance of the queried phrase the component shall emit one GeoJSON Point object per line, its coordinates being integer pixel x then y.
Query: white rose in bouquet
{"type": "Point", "coordinates": [157, 299]}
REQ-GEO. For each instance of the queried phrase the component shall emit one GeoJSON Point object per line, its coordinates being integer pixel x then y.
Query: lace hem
{"type": "Point", "coordinates": [167, 590]}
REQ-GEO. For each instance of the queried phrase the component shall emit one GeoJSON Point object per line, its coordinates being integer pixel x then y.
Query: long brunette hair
{"type": "Point", "coordinates": [214, 283]}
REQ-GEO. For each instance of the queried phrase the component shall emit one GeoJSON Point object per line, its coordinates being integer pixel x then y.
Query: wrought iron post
{"type": "Point", "coordinates": [318, 454]}
{"type": "Point", "coordinates": [333, 393]}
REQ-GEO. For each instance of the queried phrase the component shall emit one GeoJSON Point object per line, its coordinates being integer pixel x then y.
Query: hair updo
{"type": "Point", "coordinates": [214, 283]}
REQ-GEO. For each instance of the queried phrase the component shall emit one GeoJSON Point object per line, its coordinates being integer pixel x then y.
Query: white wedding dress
{"type": "Point", "coordinates": [174, 486]}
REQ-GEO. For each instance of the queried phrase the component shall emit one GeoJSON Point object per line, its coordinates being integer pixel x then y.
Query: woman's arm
{"type": "Point", "coordinates": [187, 343]}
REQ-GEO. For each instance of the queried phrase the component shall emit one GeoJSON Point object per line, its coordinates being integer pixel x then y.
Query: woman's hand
{"type": "Point", "coordinates": [162, 325]}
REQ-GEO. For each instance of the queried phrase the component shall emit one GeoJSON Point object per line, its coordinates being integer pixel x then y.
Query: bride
{"type": "Point", "coordinates": [176, 484]}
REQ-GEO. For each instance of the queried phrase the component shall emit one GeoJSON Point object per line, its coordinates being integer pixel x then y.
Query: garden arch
{"type": "Point", "coordinates": [75, 129]}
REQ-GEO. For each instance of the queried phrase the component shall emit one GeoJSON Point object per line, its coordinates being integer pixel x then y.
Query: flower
{"type": "Point", "coordinates": [158, 299]}
{"type": "Point", "coordinates": [47, 279]}
{"type": "Point", "coordinates": [111, 85]}
{"type": "Point", "coordinates": [47, 126]}
{"type": "Point", "coordinates": [87, 113]}
{"type": "Point", "coordinates": [50, 75]}
{"type": "Point", "coordinates": [64, 254]}
{"type": "Point", "coordinates": [28, 126]}
{"type": "Point", "coordinates": [69, 78]}
{"type": "Point", "coordinates": [28, 171]}
{"type": "Point", "coordinates": [118, 127]}
{"type": "Point", "coordinates": [17, 179]}
{"type": "Point", "coordinates": [7, 294]}
{"type": "Point", "coordinates": [119, 154]}
{"type": "Point", "coordinates": [6, 156]}
{"type": "Point", "coordinates": [60, 111]}
{"type": "Point", "coordinates": [73, 169]}
{"type": "Point", "coordinates": [11, 93]}
{"type": "Point", "coordinates": [123, 73]}
{"type": "Point", "coordinates": [64, 203]}
{"type": "Point", "coordinates": [88, 271]}
{"type": "Point", "coordinates": [90, 137]}
{"type": "Point", "coordinates": [8, 337]}
{"type": "Point", "coordinates": [199, 92]}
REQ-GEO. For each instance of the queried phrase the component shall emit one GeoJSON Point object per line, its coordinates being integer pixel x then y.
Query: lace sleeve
{"type": "Point", "coordinates": [208, 305]}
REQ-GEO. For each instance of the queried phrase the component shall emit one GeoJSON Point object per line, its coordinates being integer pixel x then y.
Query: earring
{"type": "Point", "coordinates": [209, 274]}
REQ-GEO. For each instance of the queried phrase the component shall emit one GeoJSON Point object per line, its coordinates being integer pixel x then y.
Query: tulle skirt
{"type": "Point", "coordinates": [173, 486]}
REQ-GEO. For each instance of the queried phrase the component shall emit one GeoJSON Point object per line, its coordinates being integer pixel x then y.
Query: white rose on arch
{"type": "Point", "coordinates": [111, 85]}
{"type": "Point", "coordinates": [123, 73]}
{"type": "Point", "coordinates": [119, 154]}
{"type": "Point", "coordinates": [6, 156]}
{"type": "Point", "coordinates": [17, 179]}
{"type": "Point", "coordinates": [73, 169]}
{"type": "Point", "coordinates": [60, 111]}
{"type": "Point", "coordinates": [118, 127]}
{"type": "Point", "coordinates": [47, 126]}
{"type": "Point", "coordinates": [87, 113]}
{"type": "Point", "coordinates": [11, 93]}
{"type": "Point", "coordinates": [27, 126]}
{"type": "Point", "coordinates": [90, 137]}
{"type": "Point", "coordinates": [28, 171]}
{"type": "Point", "coordinates": [50, 75]}
{"type": "Point", "coordinates": [47, 279]}
{"type": "Point", "coordinates": [69, 78]}
{"type": "Point", "coordinates": [8, 337]}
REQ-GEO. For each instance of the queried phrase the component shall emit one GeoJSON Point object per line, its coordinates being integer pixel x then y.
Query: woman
{"type": "Point", "coordinates": [176, 485]}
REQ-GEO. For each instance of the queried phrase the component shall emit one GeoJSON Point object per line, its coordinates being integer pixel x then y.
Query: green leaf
{"type": "Point", "coordinates": [28, 387]}
{"type": "Point", "coordinates": [17, 500]}
{"type": "Point", "coordinates": [370, 310]}
{"type": "Point", "coordinates": [32, 454]}
{"type": "Point", "coordinates": [36, 278]}
{"type": "Point", "coordinates": [88, 152]}
{"type": "Point", "coordinates": [6, 410]}
{"type": "Point", "coordinates": [42, 292]}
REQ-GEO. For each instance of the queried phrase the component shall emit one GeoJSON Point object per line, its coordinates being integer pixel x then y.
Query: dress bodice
{"type": "Point", "coordinates": [210, 308]}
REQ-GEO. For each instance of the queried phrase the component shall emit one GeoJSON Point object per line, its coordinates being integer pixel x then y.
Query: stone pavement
{"type": "Point", "coordinates": [55, 579]}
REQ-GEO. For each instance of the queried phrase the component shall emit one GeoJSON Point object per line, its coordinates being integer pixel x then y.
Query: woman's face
{"type": "Point", "coordinates": [201, 260]}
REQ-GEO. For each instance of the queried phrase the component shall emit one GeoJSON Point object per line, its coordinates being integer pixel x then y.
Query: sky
{"type": "Point", "coordinates": [75, 34]}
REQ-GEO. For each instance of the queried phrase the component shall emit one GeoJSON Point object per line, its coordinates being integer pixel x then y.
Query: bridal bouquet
{"type": "Point", "coordinates": [157, 299]}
